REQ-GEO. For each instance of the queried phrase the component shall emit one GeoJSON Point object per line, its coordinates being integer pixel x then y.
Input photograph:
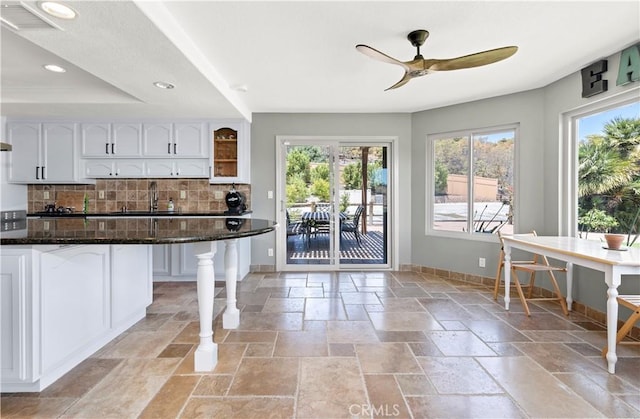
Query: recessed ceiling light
{"type": "Point", "coordinates": [163, 85]}
{"type": "Point", "coordinates": [54, 68]}
{"type": "Point", "coordinates": [240, 88]}
{"type": "Point", "coordinates": [58, 10]}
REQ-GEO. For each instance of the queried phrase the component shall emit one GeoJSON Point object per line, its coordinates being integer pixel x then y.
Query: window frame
{"type": "Point", "coordinates": [568, 156]}
{"type": "Point", "coordinates": [430, 180]}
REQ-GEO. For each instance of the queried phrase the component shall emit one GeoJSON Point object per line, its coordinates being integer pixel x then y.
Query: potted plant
{"type": "Point", "coordinates": [599, 221]}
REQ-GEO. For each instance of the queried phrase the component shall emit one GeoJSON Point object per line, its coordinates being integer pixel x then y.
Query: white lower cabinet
{"type": "Point", "coordinates": [178, 262]}
{"type": "Point", "coordinates": [62, 303]}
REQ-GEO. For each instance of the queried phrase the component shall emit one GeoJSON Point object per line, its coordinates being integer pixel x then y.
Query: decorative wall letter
{"type": "Point", "coordinates": [629, 65]}
{"type": "Point", "coordinates": [592, 81]}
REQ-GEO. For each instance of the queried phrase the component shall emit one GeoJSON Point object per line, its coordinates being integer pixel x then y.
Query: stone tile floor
{"type": "Point", "coordinates": [348, 344]}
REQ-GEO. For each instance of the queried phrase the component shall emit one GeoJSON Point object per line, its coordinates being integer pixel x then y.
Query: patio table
{"type": "Point", "coordinates": [314, 218]}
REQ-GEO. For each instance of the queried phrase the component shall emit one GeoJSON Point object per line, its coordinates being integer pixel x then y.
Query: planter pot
{"type": "Point", "coordinates": [614, 241]}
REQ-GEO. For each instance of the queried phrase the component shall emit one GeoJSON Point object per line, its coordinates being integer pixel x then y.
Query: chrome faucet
{"type": "Point", "coordinates": [153, 196]}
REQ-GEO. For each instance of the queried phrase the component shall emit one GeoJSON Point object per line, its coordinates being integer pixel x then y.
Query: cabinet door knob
{"type": "Point", "coordinates": [113, 150]}
{"type": "Point", "coordinates": [168, 148]}
{"type": "Point", "coordinates": [175, 148]}
{"type": "Point", "coordinates": [106, 148]}
{"type": "Point", "coordinates": [42, 171]}
{"type": "Point", "coordinates": [37, 172]}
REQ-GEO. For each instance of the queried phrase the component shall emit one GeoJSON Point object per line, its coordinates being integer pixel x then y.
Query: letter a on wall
{"type": "Point", "coordinates": [629, 65]}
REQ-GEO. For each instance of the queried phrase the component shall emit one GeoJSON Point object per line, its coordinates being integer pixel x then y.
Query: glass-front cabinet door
{"type": "Point", "coordinates": [225, 152]}
{"type": "Point", "coordinates": [229, 152]}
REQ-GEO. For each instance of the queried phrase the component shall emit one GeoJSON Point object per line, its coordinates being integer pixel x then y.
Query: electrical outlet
{"type": "Point", "coordinates": [45, 226]}
{"type": "Point", "coordinates": [183, 225]}
{"type": "Point", "coordinates": [45, 195]}
{"type": "Point", "coordinates": [482, 262]}
{"type": "Point", "coordinates": [100, 194]}
{"type": "Point", "coordinates": [183, 194]}
{"type": "Point", "coordinates": [270, 251]}
{"type": "Point", "coordinates": [101, 226]}
{"type": "Point", "coordinates": [269, 194]}
{"type": "Point", "coordinates": [217, 195]}
{"type": "Point", "coordinates": [218, 224]}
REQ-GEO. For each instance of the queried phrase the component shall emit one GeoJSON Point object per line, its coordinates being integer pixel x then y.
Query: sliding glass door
{"type": "Point", "coordinates": [334, 204]}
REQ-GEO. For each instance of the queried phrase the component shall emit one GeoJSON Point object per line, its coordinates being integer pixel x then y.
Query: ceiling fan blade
{"type": "Point", "coordinates": [473, 60]}
{"type": "Point", "coordinates": [404, 80]}
{"type": "Point", "coordinates": [380, 56]}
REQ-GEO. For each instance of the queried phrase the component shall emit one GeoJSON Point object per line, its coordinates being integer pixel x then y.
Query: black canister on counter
{"type": "Point", "coordinates": [235, 201]}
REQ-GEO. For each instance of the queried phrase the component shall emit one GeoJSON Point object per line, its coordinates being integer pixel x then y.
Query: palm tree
{"type": "Point", "coordinates": [601, 167]}
{"type": "Point", "coordinates": [609, 172]}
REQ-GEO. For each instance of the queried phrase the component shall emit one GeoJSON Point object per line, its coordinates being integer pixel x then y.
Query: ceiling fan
{"type": "Point", "coordinates": [420, 66]}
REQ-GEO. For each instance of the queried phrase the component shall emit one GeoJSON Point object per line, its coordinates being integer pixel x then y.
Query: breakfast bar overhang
{"type": "Point", "coordinates": [204, 232]}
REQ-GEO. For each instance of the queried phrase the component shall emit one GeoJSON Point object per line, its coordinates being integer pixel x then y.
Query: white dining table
{"type": "Point", "coordinates": [588, 253]}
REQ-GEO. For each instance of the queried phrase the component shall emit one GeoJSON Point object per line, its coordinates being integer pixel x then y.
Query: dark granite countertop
{"type": "Point", "coordinates": [143, 213]}
{"type": "Point", "coordinates": [134, 230]}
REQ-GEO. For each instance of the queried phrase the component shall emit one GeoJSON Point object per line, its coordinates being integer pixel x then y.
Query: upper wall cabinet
{"type": "Point", "coordinates": [111, 140]}
{"type": "Point", "coordinates": [175, 140]}
{"type": "Point", "coordinates": [230, 154]}
{"type": "Point", "coordinates": [43, 153]}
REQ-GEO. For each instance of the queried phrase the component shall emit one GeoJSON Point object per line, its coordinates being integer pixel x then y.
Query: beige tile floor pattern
{"type": "Point", "coordinates": [348, 344]}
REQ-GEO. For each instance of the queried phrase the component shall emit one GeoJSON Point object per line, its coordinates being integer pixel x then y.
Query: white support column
{"type": "Point", "coordinates": [206, 355]}
{"type": "Point", "coordinates": [231, 316]}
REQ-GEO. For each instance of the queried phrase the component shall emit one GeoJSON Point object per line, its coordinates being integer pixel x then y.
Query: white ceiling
{"type": "Point", "coordinates": [294, 56]}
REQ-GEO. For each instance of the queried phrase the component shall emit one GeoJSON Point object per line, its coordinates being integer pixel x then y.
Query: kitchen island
{"type": "Point", "coordinates": [101, 271]}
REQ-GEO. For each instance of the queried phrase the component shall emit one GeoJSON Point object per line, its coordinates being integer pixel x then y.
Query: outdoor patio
{"type": "Point", "coordinates": [316, 252]}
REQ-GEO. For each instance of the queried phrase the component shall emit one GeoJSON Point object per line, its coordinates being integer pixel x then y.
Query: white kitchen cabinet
{"type": "Point", "coordinates": [177, 262]}
{"type": "Point", "coordinates": [111, 140]}
{"type": "Point", "coordinates": [17, 341]}
{"type": "Point", "coordinates": [131, 281]}
{"type": "Point", "coordinates": [132, 168]}
{"type": "Point", "coordinates": [230, 151]}
{"type": "Point", "coordinates": [75, 301]}
{"type": "Point", "coordinates": [182, 168]}
{"type": "Point", "coordinates": [162, 260]}
{"type": "Point", "coordinates": [60, 304]}
{"type": "Point", "coordinates": [175, 140]}
{"type": "Point", "coordinates": [43, 152]}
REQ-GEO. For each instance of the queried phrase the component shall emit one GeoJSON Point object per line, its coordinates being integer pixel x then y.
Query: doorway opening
{"type": "Point", "coordinates": [335, 202]}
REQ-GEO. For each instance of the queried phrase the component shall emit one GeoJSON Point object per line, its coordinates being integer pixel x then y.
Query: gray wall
{"type": "Point", "coordinates": [561, 97]}
{"type": "Point", "coordinates": [538, 172]}
{"type": "Point", "coordinates": [461, 255]}
{"type": "Point", "coordinates": [12, 196]}
{"type": "Point", "coordinates": [264, 129]}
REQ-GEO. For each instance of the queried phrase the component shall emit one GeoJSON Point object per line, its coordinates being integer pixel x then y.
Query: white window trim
{"type": "Point", "coordinates": [568, 156]}
{"type": "Point", "coordinates": [430, 183]}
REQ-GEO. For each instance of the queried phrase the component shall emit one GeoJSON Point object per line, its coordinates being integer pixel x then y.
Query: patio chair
{"type": "Point", "coordinates": [539, 263]}
{"type": "Point", "coordinates": [353, 225]}
{"type": "Point", "coordinates": [632, 302]}
{"type": "Point", "coordinates": [294, 227]}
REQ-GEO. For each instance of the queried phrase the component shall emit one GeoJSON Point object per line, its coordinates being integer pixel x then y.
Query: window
{"type": "Point", "coordinates": [471, 182]}
{"type": "Point", "coordinates": [607, 198]}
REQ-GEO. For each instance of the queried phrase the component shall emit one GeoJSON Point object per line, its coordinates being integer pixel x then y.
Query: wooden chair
{"type": "Point", "coordinates": [539, 263]}
{"type": "Point", "coordinates": [632, 302]}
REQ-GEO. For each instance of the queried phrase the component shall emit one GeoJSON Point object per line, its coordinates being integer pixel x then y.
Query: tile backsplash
{"type": "Point", "coordinates": [134, 194]}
